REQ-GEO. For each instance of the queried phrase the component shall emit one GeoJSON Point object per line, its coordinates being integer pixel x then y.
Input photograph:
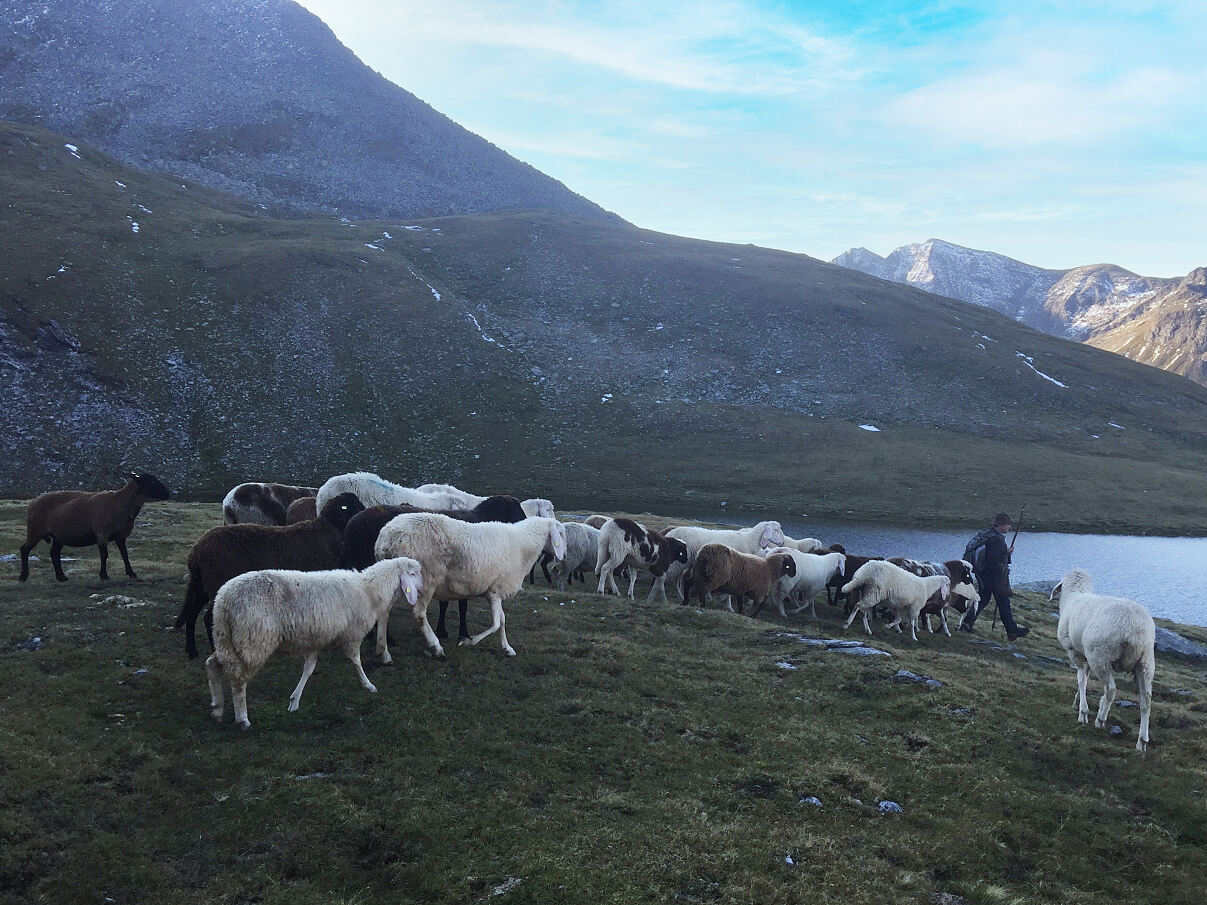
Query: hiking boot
{"type": "Point", "coordinates": [965, 627]}
{"type": "Point", "coordinates": [1022, 632]}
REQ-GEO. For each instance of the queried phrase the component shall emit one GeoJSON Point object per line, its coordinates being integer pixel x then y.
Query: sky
{"type": "Point", "coordinates": [1057, 133]}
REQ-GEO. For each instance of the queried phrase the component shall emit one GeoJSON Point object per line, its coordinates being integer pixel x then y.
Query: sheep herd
{"type": "Point", "coordinates": [298, 569]}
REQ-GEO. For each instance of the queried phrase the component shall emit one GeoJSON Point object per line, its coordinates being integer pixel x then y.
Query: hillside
{"type": "Point", "coordinates": [627, 753]}
{"type": "Point", "coordinates": [255, 97]}
{"type": "Point", "coordinates": [1160, 322]}
{"type": "Point", "coordinates": [587, 360]}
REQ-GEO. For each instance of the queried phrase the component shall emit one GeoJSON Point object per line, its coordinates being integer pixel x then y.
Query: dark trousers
{"type": "Point", "coordinates": [1003, 607]}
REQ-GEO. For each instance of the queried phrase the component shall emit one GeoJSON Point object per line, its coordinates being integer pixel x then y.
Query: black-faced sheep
{"type": "Point", "coordinates": [229, 550]}
{"type": "Point", "coordinates": [720, 569]}
{"type": "Point", "coordinates": [259, 613]}
{"type": "Point", "coordinates": [79, 518]}
{"type": "Point", "coordinates": [462, 560]}
{"type": "Point", "coordinates": [1103, 635]}
{"type": "Point", "coordinates": [258, 503]}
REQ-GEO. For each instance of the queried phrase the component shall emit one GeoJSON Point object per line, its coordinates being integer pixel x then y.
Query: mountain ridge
{"type": "Point", "coordinates": [1104, 305]}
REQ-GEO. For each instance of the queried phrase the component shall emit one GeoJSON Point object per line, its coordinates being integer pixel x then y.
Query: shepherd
{"type": "Point", "coordinates": [990, 558]}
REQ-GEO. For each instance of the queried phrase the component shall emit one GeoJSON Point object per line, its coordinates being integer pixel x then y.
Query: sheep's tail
{"type": "Point", "coordinates": [849, 586]}
{"type": "Point", "coordinates": [194, 603]}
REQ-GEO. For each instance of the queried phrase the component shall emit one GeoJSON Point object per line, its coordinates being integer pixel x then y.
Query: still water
{"type": "Point", "coordinates": [1166, 574]}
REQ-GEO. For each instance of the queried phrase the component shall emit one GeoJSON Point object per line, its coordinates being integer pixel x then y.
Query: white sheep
{"type": "Point", "coordinates": [1103, 634]}
{"type": "Point", "coordinates": [582, 548]}
{"type": "Point", "coordinates": [882, 582]}
{"type": "Point", "coordinates": [259, 613]}
{"type": "Point", "coordinates": [812, 574]}
{"type": "Point", "coordinates": [804, 545]}
{"type": "Point", "coordinates": [462, 560]}
{"type": "Point", "coordinates": [744, 540]}
{"type": "Point", "coordinates": [373, 490]}
{"type": "Point", "coordinates": [454, 498]}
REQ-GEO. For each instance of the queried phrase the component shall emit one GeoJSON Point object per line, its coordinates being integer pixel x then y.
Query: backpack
{"type": "Point", "coordinates": [974, 551]}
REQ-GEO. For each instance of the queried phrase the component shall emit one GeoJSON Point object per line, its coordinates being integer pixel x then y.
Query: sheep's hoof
{"type": "Point", "coordinates": [465, 642]}
{"type": "Point", "coordinates": [216, 713]}
{"type": "Point", "coordinates": [509, 650]}
{"type": "Point", "coordinates": [1141, 745]}
{"type": "Point", "coordinates": [436, 651]}
{"type": "Point", "coordinates": [293, 705]}
{"type": "Point", "coordinates": [245, 725]}
{"type": "Point", "coordinates": [386, 659]}
{"type": "Point", "coordinates": [1098, 724]}
{"type": "Point", "coordinates": [1083, 718]}
{"type": "Point", "coordinates": [371, 688]}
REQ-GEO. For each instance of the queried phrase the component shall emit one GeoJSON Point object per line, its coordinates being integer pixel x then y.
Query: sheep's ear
{"type": "Point", "coordinates": [133, 475]}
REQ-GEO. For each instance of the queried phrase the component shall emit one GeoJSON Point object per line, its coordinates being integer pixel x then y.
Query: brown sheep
{"type": "Point", "coordinates": [301, 510]}
{"type": "Point", "coordinates": [79, 518]}
{"type": "Point", "coordinates": [723, 570]}
{"type": "Point", "coordinates": [258, 503]}
{"type": "Point", "coordinates": [229, 550]}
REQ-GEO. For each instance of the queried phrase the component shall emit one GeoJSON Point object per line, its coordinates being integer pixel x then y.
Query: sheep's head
{"type": "Point", "coordinates": [1078, 581]}
{"type": "Point", "coordinates": [677, 549]}
{"type": "Point", "coordinates": [150, 486]}
{"type": "Point", "coordinates": [410, 579]}
{"type": "Point", "coordinates": [340, 508]}
{"type": "Point", "coordinates": [772, 536]}
{"type": "Point", "coordinates": [945, 588]}
{"type": "Point", "coordinates": [557, 539]}
{"type": "Point", "coordinates": [842, 565]}
{"type": "Point", "coordinates": [538, 508]}
{"type": "Point", "coordinates": [786, 564]}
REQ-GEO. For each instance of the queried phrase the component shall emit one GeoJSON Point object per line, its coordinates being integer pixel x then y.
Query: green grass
{"type": "Point", "coordinates": [628, 753]}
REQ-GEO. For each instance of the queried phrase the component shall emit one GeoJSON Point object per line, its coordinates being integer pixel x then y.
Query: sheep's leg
{"type": "Point", "coordinates": [239, 699]}
{"type": "Point", "coordinates": [56, 553]}
{"type": "Point", "coordinates": [209, 625]}
{"type": "Point", "coordinates": [1083, 706]}
{"type": "Point", "coordinates": [658, 585]}
{"type": "Point", "coordinates": [545, 560]}
{"type": "Point", "coordinates": [441, 631]}
{"type": "Point", "coordinates": [605, 572]}
{"type": "Point", "coordinates": [1144, 689]}
{"type": "Point", "coordinates": [213, 669]}
{"type": "Point", "coordinates": [383, 652]}
{"type": "Point", "coordinates": [632, 584]}
{"type": "Point", "coordinates": [498, 625]}
{"type": "Point", "coordinates": [308, 665]}
{"type": "Point", "coordinates": [419, 611]}
{"type": "Point", "coordinates": [913, 626]}
{"type": "Point", "coordinates": [103, 549]}
{"type": "Point", "coordinates": [851, 618]}
{"type": "Point", "coordinates": [1108, 698]}
{"type": "Point", "coordinates": [352, 650]}
{"type": "Point", "coordinates": [25, 549]}
{"type": "Point", "coordinates": [121, 548]}
{"type": "Point", "coordinates": [867, 626]}
{"type": "Point", "coordinates": [943, 619]}
{"type": "Point", "coordinates": [462, 619]}
{"type": "Point", "coordinates": [929, 628]}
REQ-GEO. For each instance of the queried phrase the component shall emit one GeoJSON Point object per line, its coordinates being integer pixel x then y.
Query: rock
{"type": "Point", "coordinates": [860, 651]}
{"type": "Point", "coordinates": [1168, 642]}
{"type": "Point", "coordinates": [812, 799]}
{"type": "Point", "coordinates": [904, 675]}
{"type": "Point", "coordinates": [889, 807]}
{"type": "Point", "coordinates": [34, 643]}
{"type": "Point", "coordinates": [1125, 704]}
{"type": "Point", "coordinates": [1116, 731]}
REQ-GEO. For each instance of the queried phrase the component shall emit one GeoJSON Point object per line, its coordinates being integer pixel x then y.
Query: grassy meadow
{"type": "Point", "coordinates": [628, 753]}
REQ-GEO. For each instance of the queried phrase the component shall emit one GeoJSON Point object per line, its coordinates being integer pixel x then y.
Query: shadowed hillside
{"type": "Point", "coordinates": [589, 360]}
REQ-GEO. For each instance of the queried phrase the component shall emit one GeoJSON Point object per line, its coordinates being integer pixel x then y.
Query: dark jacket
{"type": "Point", "coordinates": [996, 571]}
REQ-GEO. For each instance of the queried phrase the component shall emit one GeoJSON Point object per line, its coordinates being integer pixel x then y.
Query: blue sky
{"type": "Point", "coordinates": [1059, 133]}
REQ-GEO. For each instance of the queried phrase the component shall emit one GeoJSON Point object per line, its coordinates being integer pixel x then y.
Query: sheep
{"type": "Point", "coordinates": [804, 545]}
{"type": "Point", "coordinates": [1101, 635]}
{"type": "Point", "coordinates": [80, 518]}
{"type": "Point", "coordinates": [744, 540]}
{"type": "Point", "coordinates": [582, 550]}
{"type": "Point", "coordinates": [259, 613]}
{"type": "Point", "coordinates": [373, 490]}
{"type": "Point", "coordinates": [462, 560]}
{"type": "Point", "coordinates": [301, 510]}
{"type": "Point", "coordinates": [257, 503]}
{"type": "Point", "coordinates": [596, 521]}
{"type": "Point", "coordinates": [360, 538]}
{"type": "Point", "coordinates": [624, 543]}
{"type": "Point", "coordinates": [963, 589]}
{"type": "Point", "coordinates": [812, 574]}
{"type": "Point", "coordinates": [879, 581]}
{"type": "Point", "coordinates": [853, 563]}
{"type": "Point", "coordinates": [229, 550]}
{"type": "Point", "coordinates": [724, 570]}
{"type": "Point", "coordinates": [454, 498]}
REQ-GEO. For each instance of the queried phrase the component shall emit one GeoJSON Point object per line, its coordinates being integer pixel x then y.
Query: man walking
{"type": "Point", "coordinates": [992, 568]}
